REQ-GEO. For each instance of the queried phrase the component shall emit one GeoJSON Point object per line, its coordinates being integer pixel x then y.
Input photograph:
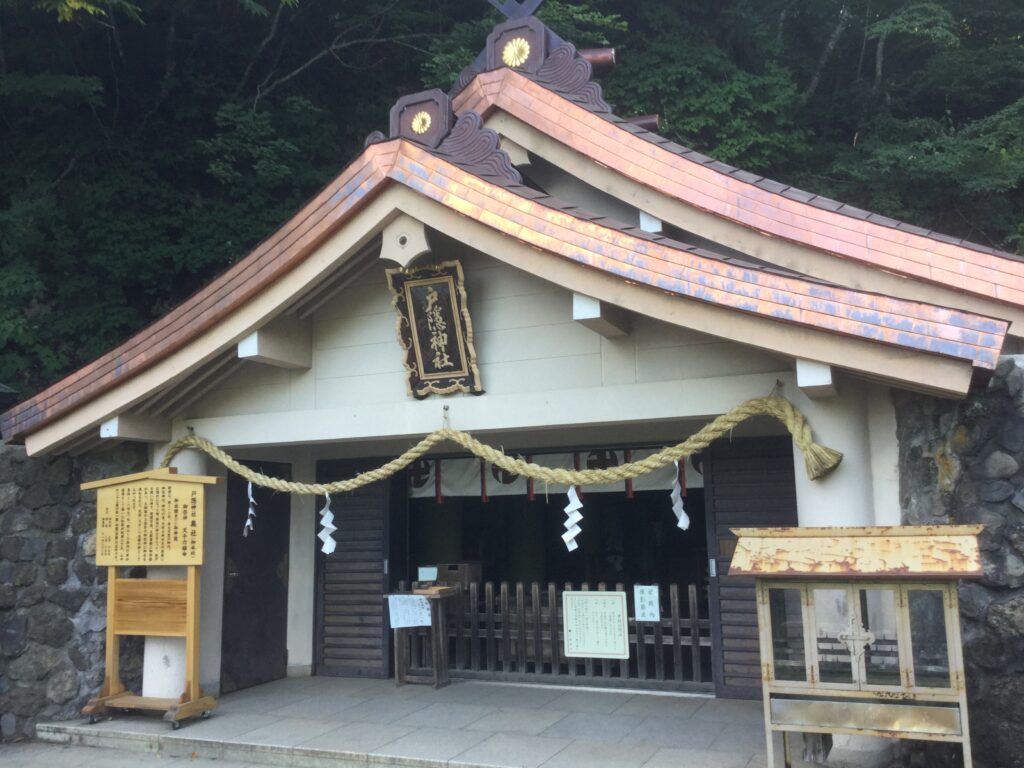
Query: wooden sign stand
{"type": "Point", "coordinates": [151, 518]}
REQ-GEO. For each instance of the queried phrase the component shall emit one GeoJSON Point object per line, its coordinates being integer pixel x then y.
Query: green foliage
{"type": "Point", "coordinates": [69, 10]}
{"type": "Point", "coordinates": [145, 146]}
{"type": "Point", "coordinates": [925, 20]}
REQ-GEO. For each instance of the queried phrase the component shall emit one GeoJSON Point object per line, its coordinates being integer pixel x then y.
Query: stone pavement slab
{"type": "Point", "coordinates": [517, 720]}
{"type": "Point", "coordinates": [512, 750]}
{"type": "Point", "coordinates": [350, 723]}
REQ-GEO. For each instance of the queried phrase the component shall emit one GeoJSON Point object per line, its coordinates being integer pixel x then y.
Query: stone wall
{"type": "Point", "coordinates": [52, 597]}
{"type": "Point", "coordinates": [963, 462]}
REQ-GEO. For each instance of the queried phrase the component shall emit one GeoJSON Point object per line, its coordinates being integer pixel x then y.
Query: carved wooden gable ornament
{"type": "Point", "coordinates": [434, 330]}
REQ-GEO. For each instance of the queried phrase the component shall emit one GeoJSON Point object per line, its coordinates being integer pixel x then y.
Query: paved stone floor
{"type": "Point", "coordinates": [348, 722]}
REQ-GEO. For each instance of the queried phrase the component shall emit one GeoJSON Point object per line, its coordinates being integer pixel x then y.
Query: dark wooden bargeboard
{"type": "Point", "coordinates": [434, 330]}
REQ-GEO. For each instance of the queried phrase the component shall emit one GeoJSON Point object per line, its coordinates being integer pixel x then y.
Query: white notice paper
{"type": "Point", "coordinates": [646, 602]}
{"type": "Point", "coordinates": [594, 625]}
{"type": "Point", "coordinates": [409, 611]}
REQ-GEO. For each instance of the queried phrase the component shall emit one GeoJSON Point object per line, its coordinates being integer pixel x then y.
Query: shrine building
{"type": "Point", "coordinates": [515, 260]}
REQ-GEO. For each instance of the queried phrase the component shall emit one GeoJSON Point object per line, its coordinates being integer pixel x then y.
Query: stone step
{"type": "Point", "coordinates": [180, 744]}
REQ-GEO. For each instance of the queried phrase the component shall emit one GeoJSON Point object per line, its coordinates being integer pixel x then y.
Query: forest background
{"type": "Point", "coordinates": [145, 146]}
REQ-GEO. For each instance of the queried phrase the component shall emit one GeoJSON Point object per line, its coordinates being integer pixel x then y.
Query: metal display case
{"type": "Point", "coordinates": [860, 629]}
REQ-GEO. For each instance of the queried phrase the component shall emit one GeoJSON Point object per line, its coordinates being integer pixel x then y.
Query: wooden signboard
{"type": "Point", "coordinates": [151, 518]}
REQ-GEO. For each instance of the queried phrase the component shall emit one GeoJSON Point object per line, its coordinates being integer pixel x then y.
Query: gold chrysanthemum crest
{"type": "Point", "coordinates": [420, 123]}
{"type": "Point", "coordinates": [515, 52]}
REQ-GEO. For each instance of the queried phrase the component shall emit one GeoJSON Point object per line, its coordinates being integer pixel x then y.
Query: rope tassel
{"type": "Point", "coordinates": [327, 527]}
{"type": "Point", "coordinates": [250, 519]}
{"type": "Point", "coordinates": [573, 516]}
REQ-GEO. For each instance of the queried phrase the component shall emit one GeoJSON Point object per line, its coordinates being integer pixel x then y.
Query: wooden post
{"type": "Point", "coordinates": [474, 626]}
{"type": "Point", "coordinates": [492, 663]}
{"type": "Point", "coordinates": [538, 635]}
{"type": "Point", "coordinates": [606, 665]}
{"type": "Point", "coordinates": [521, 622]}
{"type": "Point", "coordinates": [112, 679]}
{"type": "Point", "coordinates": [556, 665]}
{"type": "Point", "coordinates": [695, 646]}
{"type": "Point", "coordinates": [570, 660]}
{"type": "Point", "coordinates": [677, 635]}
{"type": "Point", "coordinates": [460, 650]}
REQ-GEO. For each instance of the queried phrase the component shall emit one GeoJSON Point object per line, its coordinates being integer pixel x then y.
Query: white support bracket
{"type": "Point", "coordinates": [815, 379]}
{"type": "Point", "coordinates": [650, 224]}
{"type": "Point", "coordinates": [287, 342]}
{"type": "Point", "coordinates": [403, 240]}
{"type": "Point", "coordinates": [140, 429]}
{"type": "Point", "coordinates": [605, 319]}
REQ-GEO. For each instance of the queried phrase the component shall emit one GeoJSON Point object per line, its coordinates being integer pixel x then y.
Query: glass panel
{"type": "Point", "coordinates": [787, 634]}
{"type": "Point", "coordinates": [928, 638]}
{"type": "Point", "coordinates": [832, 616]}
{"type": "Point", "coordinates": [880, 641]}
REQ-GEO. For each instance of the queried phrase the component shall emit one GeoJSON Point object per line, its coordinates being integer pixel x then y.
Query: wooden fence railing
{"type": "Point", "coordinates": [513, 632]}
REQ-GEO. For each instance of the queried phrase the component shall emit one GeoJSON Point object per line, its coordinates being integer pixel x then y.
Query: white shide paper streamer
{"type": "Point", "coordinates": [677, 502]}
{"type": "Point", "coordinates": [251, 517]}
{"type": "Point", "coordinates": [327, 528]}
{"type": "Point", "coordinates": [572, 520]}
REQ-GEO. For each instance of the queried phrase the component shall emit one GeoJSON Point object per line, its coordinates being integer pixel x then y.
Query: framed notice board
{"type": "Point", "coordinates": [151, 518]}
{"type": "Point", "coordinates": [595, 625]}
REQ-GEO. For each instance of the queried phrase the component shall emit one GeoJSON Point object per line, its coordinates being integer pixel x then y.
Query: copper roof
{"type": "Point", "coordinates": [586, 126]}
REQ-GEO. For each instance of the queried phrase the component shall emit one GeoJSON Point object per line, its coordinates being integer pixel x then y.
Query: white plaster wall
{"type": "Point", "coordinates": [884, 449]}
{"type": "Point", "coordinates": [526, 343]}
{"type": "Point", "coordinates": [845, 497]}
{"type": "Point", "coordinates": [301, 569]}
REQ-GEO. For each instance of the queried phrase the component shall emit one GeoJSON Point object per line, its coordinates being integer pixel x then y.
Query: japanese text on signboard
{"type": "Point", "coordinates": [595, 625]}
{"type": "Point", "coordinates": [150, 522]}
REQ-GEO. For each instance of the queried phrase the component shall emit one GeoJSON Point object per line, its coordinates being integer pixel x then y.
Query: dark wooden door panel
{"type": "Point", "coordinates": [351, 632]}
{"type": "Point", "coordinates": [747, 483]}
{"type": "Point", "coordinates": [255, 624]}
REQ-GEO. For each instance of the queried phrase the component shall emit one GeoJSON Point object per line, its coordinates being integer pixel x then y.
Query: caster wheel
{"type": "Point", "coordinates": [93, 719]}
{"type": "Point", "coordinates": [205, 715]}
{"type": "Point", "coordinates": [176, 725]}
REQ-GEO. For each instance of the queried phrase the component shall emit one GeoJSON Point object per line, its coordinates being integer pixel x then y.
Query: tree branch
{"type": "Point", "coordinates": [826, 54]}
{"type": "Point", "coordinates": [170, 65]}
{"type": "Point", "coordinates": [264, 89]}
{"type": "Point", "coordinates": [863, 40]}
{"type": "Point", "coordinates": [259, 51]}
{"type": "Point", "coordinates": [879, 60]}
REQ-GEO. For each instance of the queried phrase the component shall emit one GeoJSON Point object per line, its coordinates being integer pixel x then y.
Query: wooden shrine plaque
{"type": "Point", "coordinates": [151, 518]}
{"type": "Point", "coordinates": [435, 330]}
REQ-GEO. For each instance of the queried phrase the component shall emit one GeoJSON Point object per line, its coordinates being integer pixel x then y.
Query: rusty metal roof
{"type": "Point", "coordinates": [911, 551]}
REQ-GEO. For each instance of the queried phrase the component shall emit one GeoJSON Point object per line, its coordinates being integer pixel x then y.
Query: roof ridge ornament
{"type": "Point", "coordinates": [569, 74]}
{"type": "Point", "coordinates": [426, 118]}
{"type": "Point", "coordinates": [516, 10]}
{"type": "Point", "coordinates": [525, 45]}
{"type": "Point", "coordinates": [478, 150]}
